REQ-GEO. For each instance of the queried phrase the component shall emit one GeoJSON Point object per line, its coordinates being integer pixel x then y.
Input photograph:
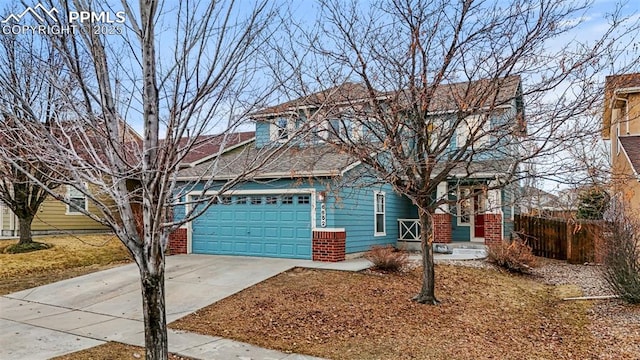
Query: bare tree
{"type": "Point", "coordinates": [20, 64]}
{"type": "Point", "coordinates": [442, 91]}
{"type": "Point", "coordinates": [177, 72]}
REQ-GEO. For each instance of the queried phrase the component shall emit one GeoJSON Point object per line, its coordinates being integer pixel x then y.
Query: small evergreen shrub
{"type": "Point", "coordinates": [515, 257]}
{"type": "Point", "coordinates": [387, 258]}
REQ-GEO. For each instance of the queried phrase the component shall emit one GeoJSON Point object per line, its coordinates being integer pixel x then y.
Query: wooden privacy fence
{"type": "Point", "coordinates": [576, 241]}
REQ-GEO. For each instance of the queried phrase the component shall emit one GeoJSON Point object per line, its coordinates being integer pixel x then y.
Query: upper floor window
{"type": "Point", "coordinates": [282, 129]}
{"type": "Point", "coordinates": [77, 201]}
{"type": "Point", "coordinates": [474, 130]}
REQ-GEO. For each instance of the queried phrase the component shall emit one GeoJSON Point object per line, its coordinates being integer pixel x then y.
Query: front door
{"type": "Point", "coordinates": [478, 217]}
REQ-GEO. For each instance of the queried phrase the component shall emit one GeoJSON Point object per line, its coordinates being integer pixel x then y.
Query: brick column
{"type": "Point", "coordinates": [329, 245]}
{"type": "Point", "coordinates": [492, 229]}
{"type": "Point", "coordinates": [441, 228]}
{"type": "Point", "coordinates": [178, 242]}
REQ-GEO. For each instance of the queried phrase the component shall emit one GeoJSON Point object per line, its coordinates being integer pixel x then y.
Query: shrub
{"type": "Point", "coordinates": [515, 256]}
{"type": "Point", "coordinates": [387, 258]}
{"type": "Point", "coordinates": [621, 256]}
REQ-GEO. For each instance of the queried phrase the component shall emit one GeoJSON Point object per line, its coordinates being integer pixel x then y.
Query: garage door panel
{"type": "Point", "coordinates": [271, 248]}
{"type": "Point", "coordinates": [287, 249]}
{"type": "Point", "coordinates": [268, 225]}
{"type": "Point", "coordinates": [287, 233]}
{"type": "Point", "coordinates": [271, 215]}
{"type": "Point", "coordinates": [256, 215]}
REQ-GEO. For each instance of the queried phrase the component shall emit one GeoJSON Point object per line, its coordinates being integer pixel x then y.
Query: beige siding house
{"type": "Point", "coordinates": [54, 217]}
{"type": "Point", "coordinates": [622, 126]}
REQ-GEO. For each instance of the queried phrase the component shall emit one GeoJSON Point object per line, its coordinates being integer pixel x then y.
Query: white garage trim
{"type": "Point", "coordinates": [310, 191]}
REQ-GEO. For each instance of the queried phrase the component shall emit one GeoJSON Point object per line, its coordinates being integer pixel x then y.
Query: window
{"type": "Point", "coordinates": [288, 199]}
{"type": "Point", "coordinates": [256, 200]}
{"type": "Point", "coordinates": [77, 201]}
{"type": "Point", "coordinates": [465, 208]}
{"type": "Point", "coordinates": [282, 129]}
{"type": "Point", "coordinates": [225, 200]}
{"type": "Point", "coordinates": [271, 200]}
{"type": "Point", "coordinates": [379, 219]}
{"type": "Point", "coordinates": [303, 199]}
{"type": "Point", "coordinates": [241, 200]}
{"type": "Point", "coordinates": [469, 130]}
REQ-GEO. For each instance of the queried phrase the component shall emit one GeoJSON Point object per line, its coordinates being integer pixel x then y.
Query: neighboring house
{"type": "Point", "coordinates": [54, 216]}
{"type": "Point", "coordinates": [538, 202]}
{"type": "Point", "coordinates": [311, 201]}
{"type": "Point", "coordinates": [621, 125]}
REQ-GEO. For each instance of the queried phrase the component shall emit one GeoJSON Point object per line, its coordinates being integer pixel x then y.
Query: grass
{"type": "Point", "coordinates": [484, 314]}
{"type": "Point", "coordinates": [68, 256]}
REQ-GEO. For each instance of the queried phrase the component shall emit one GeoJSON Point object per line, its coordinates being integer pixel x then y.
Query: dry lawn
{"type": "Point", "coordinates": [112, 351]}
{"type": "Point", "coordinates": [484, 314]}
{"type": "Point", "coordinates": [70, 256]}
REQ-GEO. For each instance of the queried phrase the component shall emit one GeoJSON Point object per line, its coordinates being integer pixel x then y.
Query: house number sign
{"type": "Point", "coordinates": [323, 215]}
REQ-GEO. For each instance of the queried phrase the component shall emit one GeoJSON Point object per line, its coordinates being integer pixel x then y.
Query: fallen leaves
{"type": "Point", "coordinates": [484, 314]}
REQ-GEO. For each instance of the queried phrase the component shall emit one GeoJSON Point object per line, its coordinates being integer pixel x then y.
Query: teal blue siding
{"type": "Point", "coordinates": [262, 134]}
{"type": "Point", "coordinates": [354, 211]}
{"type": "Point", "coordinates": [508, 199]}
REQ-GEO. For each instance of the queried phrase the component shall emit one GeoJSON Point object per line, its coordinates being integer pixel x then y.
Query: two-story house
{"type": "Point", "coordinates": [304, 200]}
{"type": "Point", "coordinates": [621, 125]}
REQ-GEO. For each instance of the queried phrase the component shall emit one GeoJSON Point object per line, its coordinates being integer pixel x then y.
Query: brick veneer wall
{"type": "Point", "coordinates": [178, 242]}
{"type": "Point", "coordinates": [492, 228]}
{"type": "Point", "coordinates": [442, 228]}
{"type": "Point", "coordinates": [329, 245]}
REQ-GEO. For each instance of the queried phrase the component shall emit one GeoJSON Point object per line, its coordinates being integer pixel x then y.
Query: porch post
{"type": "Point", "coordinates": [493, 218]}
{"type": "Point", "coordinates": [442, 217]}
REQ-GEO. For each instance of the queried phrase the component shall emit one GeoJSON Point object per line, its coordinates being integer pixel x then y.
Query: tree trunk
{"type": "Point", "coordinates": [155, 319]}
{"type": "Point", "coordinates": [427, 293]}
{"type": "Point", "coordinates": [24, 225]}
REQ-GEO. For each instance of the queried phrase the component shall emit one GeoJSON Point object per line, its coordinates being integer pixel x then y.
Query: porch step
{"type": "Point", "coordinates": [459, 251]}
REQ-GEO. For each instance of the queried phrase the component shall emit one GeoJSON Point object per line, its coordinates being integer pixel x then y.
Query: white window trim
{"type": "Point", "coordinates": [72, 212]}
{"type": "Point", "coordinates": [470, 124]}
{"type": "Point", "coordinates": [376, 213]}
{"type": "Point", "coordinates": [274, 130]}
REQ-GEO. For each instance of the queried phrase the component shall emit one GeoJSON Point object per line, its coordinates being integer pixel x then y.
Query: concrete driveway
{"type": "Point", "coordinates": [86, 311]}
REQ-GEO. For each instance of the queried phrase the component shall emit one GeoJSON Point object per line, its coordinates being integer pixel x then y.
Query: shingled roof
{"type": "Point", "coordinates": [631, 147]}
{"type": "Point", "coordinates": [289, 162]}
{"type": "Point", "coordinates": [206, 146]}
{"type": "Point", "coordinates": [463, 95]}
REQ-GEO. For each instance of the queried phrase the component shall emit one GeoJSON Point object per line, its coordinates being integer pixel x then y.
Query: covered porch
{"type": "Point", "coordinates": [473, 213]}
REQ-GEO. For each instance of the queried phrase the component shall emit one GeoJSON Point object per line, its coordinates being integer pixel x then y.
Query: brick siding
{"type": "Point", "coordinates": [329, 245]}
{"type": "Point", "coordinates": [178, 242]}
{"type": "Point", "coordinates": [442, 228]}
{"type": "Point", "coordinates": [492, 228]}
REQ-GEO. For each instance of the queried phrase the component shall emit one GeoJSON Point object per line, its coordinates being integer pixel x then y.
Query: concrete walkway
{"type": "Point", "coordinates": [89, 310]}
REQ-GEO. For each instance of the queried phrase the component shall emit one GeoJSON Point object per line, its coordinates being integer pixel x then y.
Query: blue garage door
{"type": "Point", "coordinates": [255, 225]}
